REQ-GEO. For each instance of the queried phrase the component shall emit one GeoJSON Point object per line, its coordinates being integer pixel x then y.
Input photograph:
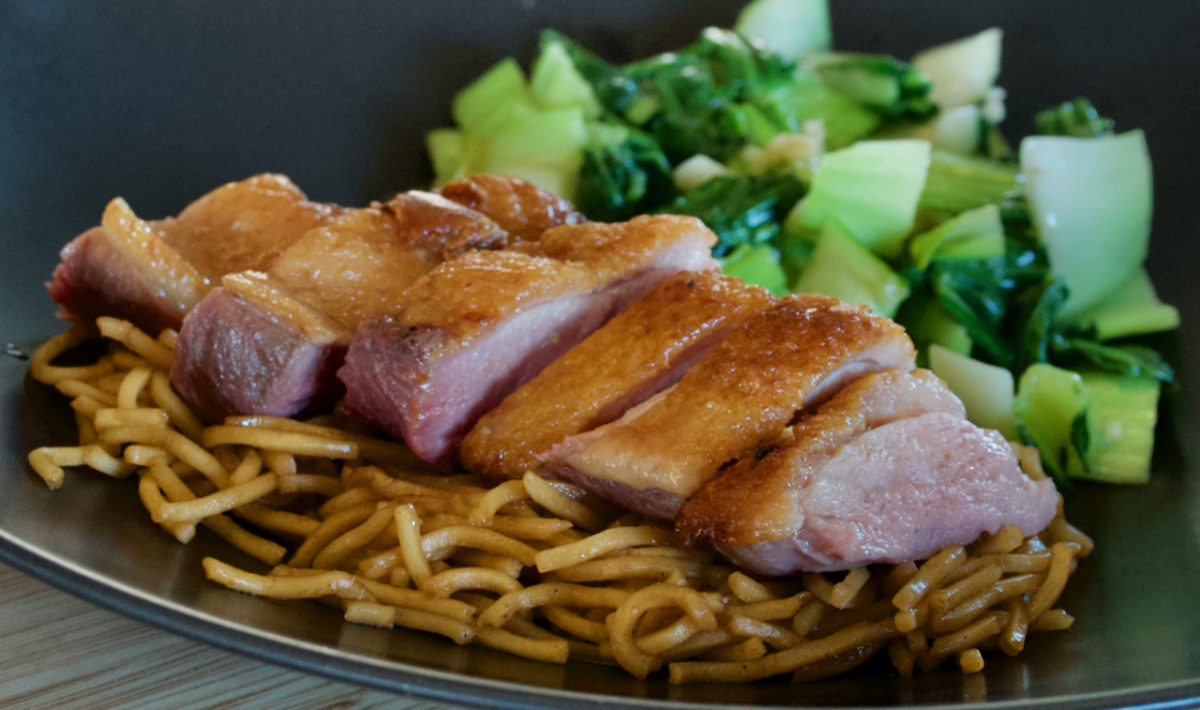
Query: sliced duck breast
{"type": "Point", "coordinates": [887, 471]}
{"type": "Point", "coordinates": [243, 226]}
{"type": "Point", "coordinates": [123, 268]}
{"type": "Point", "coordinates": [476, 328]}
{"type": "Point", "coordinates": [742, 393]}
{"type": "Point", "coordinates": [644, 349]}
{"type": "Point", "coordinates": [357, 266]}
{"type": "Point", "coordinates": [251, 347]}
{"type": "Point", "coordinates": [271, 343]}
{"type": "Point", "coordinates": [153, 273]}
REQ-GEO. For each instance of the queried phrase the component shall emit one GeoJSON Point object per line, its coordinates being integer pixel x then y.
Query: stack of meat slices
{"type": "Point", "coordinates": [153, 273]}
{"type": "Point", "coordinates": [490, 326]}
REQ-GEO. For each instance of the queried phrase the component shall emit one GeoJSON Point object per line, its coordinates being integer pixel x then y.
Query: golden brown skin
{"type": "Point", "coordinates": [638, 352]}
{"type": "Point", "coordinates": [466, 295]}
{"type": "Point", "coordinates": [243, 225]}
{"type": "Point", "coordinates": [365, 260]}
{"type": "Point", "coordinates": [480, 288]}
{"type": "Point", "coordinates": [154, 272]}
{"type": "Point", "coordinates": [358, 265]}
{"type": "Point", "coordinates": [176, 284]}
{"type": "Point", "coordinates": [752, 502]}
{"type": "Point", "coordinates": [521, 208]}
{"type": "Point", "coordinates": [431, 221]}
{"type": "Point", "coordinates": [744, 392]}
{"type": "Point", "coordinates": [615, 248]}
{"type": "Point", "coordinates": [284, 308]}
{"type": "Point", "coordinates": [478, 327]}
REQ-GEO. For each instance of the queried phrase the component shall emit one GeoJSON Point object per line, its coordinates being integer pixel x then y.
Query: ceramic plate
{"type": "Point", "coordinates": [159, 104]}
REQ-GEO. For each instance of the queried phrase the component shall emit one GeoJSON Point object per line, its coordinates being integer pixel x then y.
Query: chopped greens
{"type": "Point", "coordinates": [958, 182]}
{"type": "Point", "coordinates": [1120, 424]}
{"type": "Point", "coordinates": [986, 391]}
{"type": "Point", "coordinates": [962, 71]}
{"type": "Point", "coordinates": [1090, 200]}
{"type": "Point", "coordinates": [976, 234]}
{"type": "Point", "coordinates": [624, 173]}
{"type": "Point", "coordinates": [1051, 413]}
{"type": "Point", "coordinates": [790, 28]}
{"type": "Point", "coordinates": [757, 265]}
{"type": "Point", "coordinates": [844, 268]}
{"type": "Point", "coordinates": [1132, 308]}
{"type": "Point", "coordinates": [872, 187]}
{"type": "Point", "coordinates": [886, 84]}
{"type": "Point", "coordinates": [741, 209]}
{"type": "Point", "coordinates": [879, 181]}
{"type": "Point", "coordinates": [1078, 118]}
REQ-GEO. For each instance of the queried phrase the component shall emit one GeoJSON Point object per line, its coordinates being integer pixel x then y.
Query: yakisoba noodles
{"type": "Point", "coordinates": [536, 568]}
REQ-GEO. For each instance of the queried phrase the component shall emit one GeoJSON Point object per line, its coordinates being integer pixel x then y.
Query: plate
{"type": "Point", "coordinates": [159, 106]}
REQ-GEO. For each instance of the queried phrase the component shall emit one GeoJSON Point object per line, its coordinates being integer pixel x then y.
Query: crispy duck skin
{"type": "Point", "coordinates": [742, 393]}
{"type": "Point", "coordinates": [644, 349]}
{"type": "Point", "coordinates": [755, 499]}
{"type": "Point", "coordinates": [476, 328]}
{"type": "Point", "coordinates": [124, 269]}
{"type": "Point", "coordinates": [899, 491]}
{"type": "Point", "coordinates": [523, 209]}
{"type": "Point", "coordinates": [362, 263]}
{"type": "Point", "coordinates": [290, 326]}
{"type": "Point", "coordinates": [243, 226]}
{"type": "Point", "coordinates": [250, 347]}
{"type": "Point", "coordinates": [153, 272]}
{"type": "Point", "coordinates": [447, 228]}
{"type": "Point", "coordinates": [271, 343]}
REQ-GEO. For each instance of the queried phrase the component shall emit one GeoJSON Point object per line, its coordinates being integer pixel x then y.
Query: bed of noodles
{"type": "Point", "coordinates": [536, 568]}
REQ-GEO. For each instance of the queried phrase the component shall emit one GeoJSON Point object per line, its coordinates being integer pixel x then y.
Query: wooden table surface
{"type": "Point", "coordinates": [60, 652]}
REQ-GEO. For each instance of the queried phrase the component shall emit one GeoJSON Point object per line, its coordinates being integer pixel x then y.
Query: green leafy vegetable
{"type": "Point", "coordinates": [545, 148]}
{"type": "Point", "coordinates": [986, 391]}
{"type": "Point", "coordinates": [1051, 413]}
{"type": "Point", "coordinates": [499, 92]}
{"type": "Point", "coordinates": [710, 97]}
{"type": "Point", "coordinates": [1091, 424]}
{"type": "Point", "coordinates": [1125, 360]}
{"type": "Point", "coordinates": [886, 84]}
{"type": "Point", "coordinates": [1045, 337]}
{"type": "Point", "coordinates": [790, 28]}
{"type": "Point", "coordinates": [976, 234]}
{"type": "Point", "coordinates": [957, 182]}
{"type": "Point", "coordinates": [872, 188]}
{"type": "Point", "coordinates": [716, 96]}
{"type": "Point", "coordinates": [808, 98]}
{"type": "Point", "coordinates": [556, 83]}
{"type": "Point", "coordinates": [845, 269]}
{"type": "Point", "coordinates": [962, 71]}
{"type": "Point", "coordinates": [977, 294]}
{"type": "Point", "coordinates": [756, 265]}
{"type": "Point", "coordinates": [1120, 427]}
{"type": "Point", "coordinates": [445, 146]}
{"type": "Point", "coordinates": [741, 209]}
{"type": "Point", "coordinates": [1090, 199]}
{"type": "Point", "coordinates": [928, 323]}
{"type": "Point", "coordinates": [1132, 308]}
{"type": "Point", "coordinates": [623, 174]}
{"type": "Point", "coordinates": [992, 298]}
{"type": "Point", "coordinates": [1078, 118]}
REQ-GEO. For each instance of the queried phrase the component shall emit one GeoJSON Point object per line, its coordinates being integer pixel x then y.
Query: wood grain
{"type": "Point", "coordinates": [60, 652]}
